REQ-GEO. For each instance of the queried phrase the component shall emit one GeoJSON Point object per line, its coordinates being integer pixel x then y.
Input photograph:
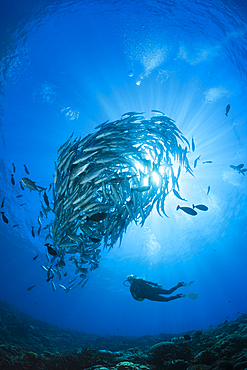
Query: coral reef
{"type": "Point", "coordinates": [26, 343]}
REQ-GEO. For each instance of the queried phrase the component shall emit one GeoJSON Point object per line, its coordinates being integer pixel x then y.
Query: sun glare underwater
{"type": "Point", "coordinates": [127, 120]}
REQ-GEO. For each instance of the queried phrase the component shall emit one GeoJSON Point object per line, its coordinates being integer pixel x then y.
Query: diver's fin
{"type": "Point", "coordinates": [192, 295]}
{"type": "Point", "coordinates": [188, 284]}
{"type": "Point", "coordinates": [191, 282]}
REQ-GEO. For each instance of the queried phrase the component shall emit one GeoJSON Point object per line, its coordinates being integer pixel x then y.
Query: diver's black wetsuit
{"type": "Point", "coordinates": [141, 289]}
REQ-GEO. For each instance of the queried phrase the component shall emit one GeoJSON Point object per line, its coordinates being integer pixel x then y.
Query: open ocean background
{"type": "Point", "coordinates": [67, 66]}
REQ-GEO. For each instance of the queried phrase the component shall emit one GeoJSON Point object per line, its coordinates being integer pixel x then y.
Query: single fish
{"type": "Point", "coordinates": [26, 170]}
{"type": "Point", "coordinates": [140, 189]}
{"type": "Point", "coordinates": [53, 286]}
{"type": "Point", "coordinates": [23, 204]}
{"type": "Point", "coordinates": [30, 184]}
{"type": "Point", "coordinates": [116, 180]}
{"type": "Point", "coordinates": [189, 211]}
{"type": "Point", "coordinates": [71, 281]}
{"type": "Point", "coordinates": [30, 288]}
{"type": "Point", "coordinates": [22, 186]}
{"type": "Point", "coordinates": [19, 196]}
{"type": "Point", "coordinates": [65, 274]}
{"type": "Point", "coordinates": [46, 199]}
{"type": "Point", "coordinates": [84, 283]}
{"type": "Point", "coordinates": [34, 258]}
{"type": "Point", "coordinates": [4, 218]}
{"type": "Point", "coordinates": [49, 278]}
{"type": "Point", "coordinates": [44, 268]}
{"type": "Point", "coordinates": [157, 111]}
{"type": "Point", "coordinates": [227, 109]}
{"type": "Point", "coordinates": [193, 145]}
{"type": "Point", "coordinates": [97, 217]}
{"type": "Point", "coordinates": [61, 263]}
{"type": "Point", "coordinates": [16, 225]}
{"type": "Point", "coordinates": [208, 190]}
{"type": "Point", "coordinates": [12, 179]}
{"type": "Point", "coordinates": [39, 229]}
{"type": "Point", "coordinates": [13, 167]}
{"type": "Point", "coordinates": [2, 205]}
{"type": "Point", "coordinates": [187, 337]}
{"type": "Point", "coordinates": [195, 162]}
{"type": "Point", "coordinates": [95, 240]}
{"type": "Point", "coordinates": [39, 221]}
{"type": "Point", "coordinates": [207, 162]}
{"type": "Point", "coordinates": [62, 286]}
{"type": "Point", "coordinates": [51, 251]}
{"type": "Point", "coordinates": [201, 207]}
{"type": "Point", "coordinates": [33, 234]}
{"type": "Point", "coordinates": [178, 195]}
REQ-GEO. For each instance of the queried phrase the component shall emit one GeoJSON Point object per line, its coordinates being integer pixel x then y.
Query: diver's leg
{"type": "Point", "coordinates": [170, 291]}
{"type": "Point", "coordinates": [159, 298]}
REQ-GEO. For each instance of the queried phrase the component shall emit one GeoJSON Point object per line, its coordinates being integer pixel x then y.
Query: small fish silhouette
{"type": "Point", "coordinates": [201, 207]}
{"type": "Point", "coordinates": [227, 109]}
{"type": "Point", "coordinates": [12, 179]}
{"type": "Point", "coordinates": [188, 210]}
{"type": "Point", "coordinates": [26, 170]}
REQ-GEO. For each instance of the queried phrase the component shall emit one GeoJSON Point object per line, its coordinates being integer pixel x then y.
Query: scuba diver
{"type": "Point", "coordinates": [142, 289]}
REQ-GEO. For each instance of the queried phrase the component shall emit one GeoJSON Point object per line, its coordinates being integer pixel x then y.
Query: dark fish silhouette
{"type": "Point", "coordinates": [5, 218]}
{"type": "Point", "coordinates": [46, 199]}
{"type": "Point", "coordinates": [16, 225]}
{"type": "Point", "coordinates": [39, 229]}
{"type": "Point", "coordinates": [22, 186]}
{"type": "Point", "coordinates": [26, 170]}
{"type": "Point", "coordinates": [31, 287]}
{"type": "Point", "coordinates": [13, 167]}
{"type": "Point", "coordinates": [12, 179]}
{"type": "Point", "coordinates": [201, 207]}
{"type": "Point", "coordinates": [187, 337]}
{"type": "Point", "coordinates": [33, 232]}
{"type": "Point", "coordinates": [65, 274]}
{"type": "Point", "coordinates": [193, 145]}
{"type": "Point", "coordinates": [95, 240]}
{"type": "Point", "coordinates": [195, 162]}
{"type": "Point", "coordinates": [188, 210]}
{"type": "Point", "coordinates": [227, 109]}
{"type": "Point", "coordinates": [97, 217]}
{"type": "Point", "coordinates": [22, 204]}
{"type": "Point", "coordinates": [2, 205]}
{"type": "Point", "coordinates": [208, 190]}
{"type": "Point", "coordinates": [34, 258]}
{"type": "Point", "coordinates": [61, 263]}
{"type": "Point", "coordinates": [51, 251]}
{"type": "Point", "coordinates": [19, 196]}
{"type": "Point", "coordinates": [207, 162]}
{"type": "Point", "coordinates": [49, 278]}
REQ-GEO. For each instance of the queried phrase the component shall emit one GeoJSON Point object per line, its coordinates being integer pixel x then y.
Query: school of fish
{"type": "Point", "coordinates": [102, 183]}
{"type": "Point", "coordinates": [105, 181]}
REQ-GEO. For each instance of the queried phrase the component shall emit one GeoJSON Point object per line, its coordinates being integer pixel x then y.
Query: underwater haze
{"type": "Point", "coordinates": [69, 66]}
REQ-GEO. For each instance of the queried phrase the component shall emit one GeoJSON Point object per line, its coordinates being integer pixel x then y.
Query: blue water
{"type": "Point", "coordinates": [67, 66]}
